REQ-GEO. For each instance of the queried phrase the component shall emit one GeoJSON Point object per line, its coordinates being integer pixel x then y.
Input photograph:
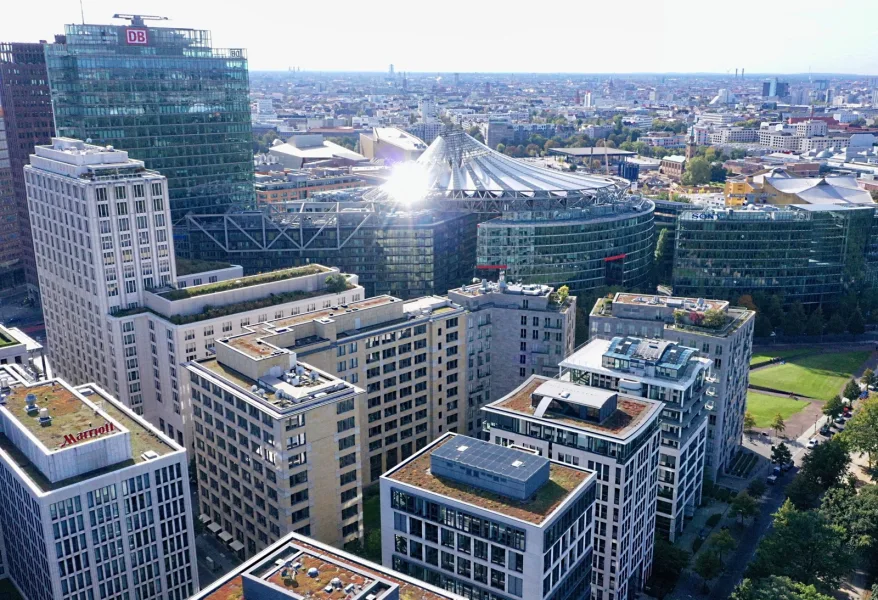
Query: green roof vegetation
{"type": "Point", "coordinates": [7, 340]}
{"type": "Point", "coordinates": [70, 415]}
{"type": "Point", "coordinates": [188, 266]}
{"type": "Point", "coordinates": [234, 284]}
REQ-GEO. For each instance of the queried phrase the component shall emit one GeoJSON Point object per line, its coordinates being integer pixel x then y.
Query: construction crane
{"type": "Point", "coordinates": [137, 20]}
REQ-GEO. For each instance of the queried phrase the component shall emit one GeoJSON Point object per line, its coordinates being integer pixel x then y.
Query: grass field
{"type": "Point", "coordinates": [764, 407]}
{"type": "Point", "coordinates": [818, 376]}
{"type": "Point", "coordinates": [766, 355]}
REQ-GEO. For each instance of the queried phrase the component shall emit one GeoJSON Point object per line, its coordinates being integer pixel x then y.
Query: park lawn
{"type": "Point", "coordinates": [768, 354]}
{"type": "Point", "coordinates": [819, 376]}
{"type": "Point", "coordinates": [764, 407]}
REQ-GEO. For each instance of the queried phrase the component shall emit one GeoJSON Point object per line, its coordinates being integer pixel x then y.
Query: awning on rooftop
{"type": "Point", "coordinates": [205, 519]}
{"type": "Point", "coordinates": [236, 546]}
{"type": "Point", "coordinates": [214, 527]}
{"type": "Point", "coordinates": [225, 536]}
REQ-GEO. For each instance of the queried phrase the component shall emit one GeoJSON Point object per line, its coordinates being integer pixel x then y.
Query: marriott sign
{"type": "Point", "coordinates": [70, 439]}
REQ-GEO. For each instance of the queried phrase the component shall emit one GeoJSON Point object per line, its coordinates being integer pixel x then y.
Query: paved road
{"type": "Point", "coordinates": [208, 545]}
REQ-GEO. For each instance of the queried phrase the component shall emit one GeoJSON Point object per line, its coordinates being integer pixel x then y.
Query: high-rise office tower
{"type": "Point", "coordinates": [166, 96]}
{"type": "Point", "coordinates": [96, 502]}
{"type": "Point", "coordinates": [11, 273]}
{"type": "Point", "coordinates": [27, 111]}
{"type": "Point", "coordinates": [100, 223]}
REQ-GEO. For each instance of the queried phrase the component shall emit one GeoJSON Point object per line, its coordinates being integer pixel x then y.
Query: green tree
{"type": "Point", "coordinates": [794, 320]}
{"type": "Point", "coordinates": [722, 542]}
{"type": "Point", "coordinates": [852, 390]}
{"type": "Point", "coordinates": [745, 505]}
{"type": "Point", "coordinates": [804, 546]}
{"type": "Point", "coordinates": [664, 256]}
{"type": "Point", "coordinates": [501, 148]}
{"type": "Point", "coordinates": [814, 325]}
{"type": "Point", "coordinates": [763, 326]}
{"type": "Point", "coordinates": [836, 324]}
{"type": "Point", "coordinates": [861, 431]}
{"type": "Point", "coordinates": [713, 319]}
{"type": "Point", "coordinates": [776, 588]}
{"type": "Point", "coordinates": [803, 492]}
{"type": "Point", "coordinates": [708, 566]}
{"type": "Point", "coordinates": [668, 562]}
{"type": "Point", "coordinates": [868, 377]}
{"type": "Point", "coordinates": [827, 463]}
{"type": "Point", "coordinates": [756, 488]}
{"type": "Point", "coordinates": [698, 170]}
{"type": "Point", "coordinates": [833, 407]}
{"type": "Point", "coordinates": [778, 425]}
{"type": "Point", "coordinates": [749, 422]}
{"type": "Point", "coordinates": [857, 324]}
{"type": "Point", "coordinates": [855, 511]}
{"type": "Point", "coordinates": [336, 283]}
{"type": "Point", "coordinates": [773, 308]}
{"type": "Point", "coordinates": [781, 454]}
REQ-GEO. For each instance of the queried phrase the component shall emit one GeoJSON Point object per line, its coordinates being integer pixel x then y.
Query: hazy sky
{"type": "Point", "coordinates": [622, 36]}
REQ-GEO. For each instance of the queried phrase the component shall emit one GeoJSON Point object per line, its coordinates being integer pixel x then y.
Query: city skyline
{"type": "Point", "coordinates": [835, 43]}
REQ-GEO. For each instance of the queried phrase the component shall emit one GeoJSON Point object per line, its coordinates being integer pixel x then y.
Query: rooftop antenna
{"type": "Point", "coordinates": [137, 20]}
{"type": "Point", "coordinates": [82, 12]}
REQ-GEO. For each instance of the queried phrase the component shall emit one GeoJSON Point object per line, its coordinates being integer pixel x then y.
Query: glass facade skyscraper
{"type": "Point", "coordinates": [168, 98]}
{"type": "Point", "coordinates": [27, 113]}
{"type": "Point", "coordinates": [807, 253]}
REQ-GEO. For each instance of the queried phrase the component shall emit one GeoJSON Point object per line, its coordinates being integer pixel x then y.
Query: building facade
{"type": "Point", "coordinates": [27, 112]}
{"type": "Point", "coordinates": [615, 436]}
{"type": "Point", "coordinates": [729, 346]}
{"type": "Point", "coordinates": [807, 252]}
{"type": "Point", "coordinates": [675, 376]}
{"type": "Point", "coordinates": [498, 360]}
{"type": "Point", "coordinates": [97, 501]}
{"type": "Point", "coordinates": [277, 446]}
{"type": "Point", "coordinates": [167, 97]}
{"type": "Point", "coordinates": [101, 238]}
{"type": "Point", "coordinates": [11, 270]}
{"type": "Point", "coordinates": [474, 518]}
{"type": "Point", "coordinates": [280, 187]}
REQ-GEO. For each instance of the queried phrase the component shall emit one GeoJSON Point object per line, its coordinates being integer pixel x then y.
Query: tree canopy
{"type": "Point", "coordinates": [861, 431]}
{"type": "Point", "coordinates": [776, 588]}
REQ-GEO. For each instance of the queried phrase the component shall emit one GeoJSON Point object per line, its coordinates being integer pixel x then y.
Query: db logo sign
{"type": "Point", "coordinates": [136, 37]}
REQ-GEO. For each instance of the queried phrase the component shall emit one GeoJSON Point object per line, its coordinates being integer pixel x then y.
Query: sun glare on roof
{"type": "Point", "coordinates": [408, 183]}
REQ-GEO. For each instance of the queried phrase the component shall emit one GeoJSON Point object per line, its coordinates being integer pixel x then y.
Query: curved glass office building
{"type": "Point", "coordinates": [544, 225]}
{"type": "Point", "coordinates": [808, 253]}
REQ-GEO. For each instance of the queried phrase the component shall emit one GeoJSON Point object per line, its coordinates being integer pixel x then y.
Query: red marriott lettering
{"type": "Point", "coordinates": [87, 434]}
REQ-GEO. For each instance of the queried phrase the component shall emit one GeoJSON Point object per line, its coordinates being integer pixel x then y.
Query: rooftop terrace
{"type": "Point", "coordinates": [222, 286]}
{"type": "Point", "coordinates": [70, 415]}
{"type": "Point", "coordinates": [630, 413]}
{"type": "Point", "coordinates": [563, 480]}
{"type": "Point", "coordinates": [330, 563]}
{"type": "Point", "coordinates": [187, 266]}
{"type": "Point", "coordinates": [142, 438]}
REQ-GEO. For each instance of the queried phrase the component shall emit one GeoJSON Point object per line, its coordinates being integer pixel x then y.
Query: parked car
{"type": "Point", "coordinates": [826, 431]}
{"type": "Point", "coordinates": [786, 467]}
{"type": "Point", "coordinates": [771, 479]}
{"type": "Point", "coordinates": [839, 420]}
{"type": "Point", "coordinates": [847, 414]}
{"type": "Point", "coordinates": [775, 471]}
{"type": "Point", "coordinates": [813, 442]}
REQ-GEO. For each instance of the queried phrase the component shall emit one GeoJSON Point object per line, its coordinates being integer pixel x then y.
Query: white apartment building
{"type": "Point", "coordinates": [487, 522]}
{"type": "Point", "coordinates": [96, 501]}
{"type": "Point", "coordinates": [728, 346]}
{"type": "Point", "coordinates": [101, 237]}
{"type": "Point", "coordinates": [512, 332]}
{"type": "Point", "coordinates": [675, 376]}
{"type": "Point", "coordinates": [733, 135]}
{"type": "Point", "coordinates": [613, 435]}
{"type": "Point", "coordinates": [811, 128]}
{"type": "Point", "coordinates": [719, 118]}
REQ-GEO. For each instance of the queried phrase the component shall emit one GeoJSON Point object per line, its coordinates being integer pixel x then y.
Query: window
{"type": "Point", "coordinates": [346, 478]}
{"type": "Point", "coordinates": [346, 424]}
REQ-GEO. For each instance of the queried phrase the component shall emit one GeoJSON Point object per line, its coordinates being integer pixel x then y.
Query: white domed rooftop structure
{"type": "Point", "coordinates": [457, 169]}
